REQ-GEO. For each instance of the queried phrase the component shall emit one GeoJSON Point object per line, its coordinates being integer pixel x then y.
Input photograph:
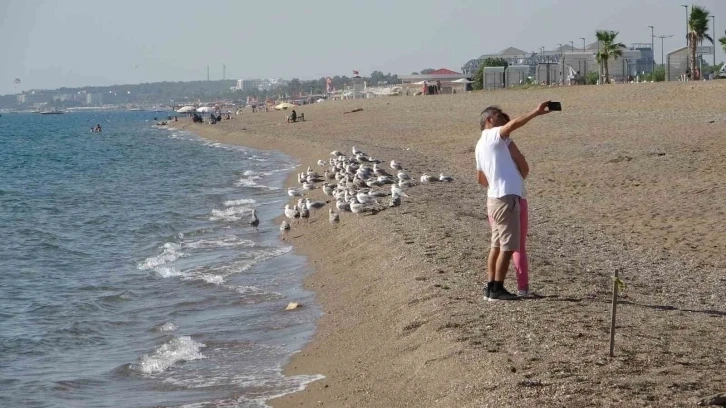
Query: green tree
{"type": "Point", "coordinates": [609, 49]}
{"type": "Point", "coordinates": [722, 40]}
{"type": "Point", "coordinates": [489, 62]}
{"type": "Point", "coordinates": [698, 31]}
{"type": "Point", "coordinates": [427, 71]}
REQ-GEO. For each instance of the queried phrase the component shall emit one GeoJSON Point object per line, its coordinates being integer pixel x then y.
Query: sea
{"type": "Point", "coordinates": [129, 275]}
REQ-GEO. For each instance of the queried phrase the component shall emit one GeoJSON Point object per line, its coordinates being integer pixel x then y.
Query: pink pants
{"type": "Point", "coordinates": [521, 264]}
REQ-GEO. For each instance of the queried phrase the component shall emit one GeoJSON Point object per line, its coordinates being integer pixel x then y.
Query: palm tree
{"type": "Point", "coordinates": [698, 31]}
{"type": "Point", "coordinates": [609, 49]}
{"type": "Point", "coordinates": [722, 40]}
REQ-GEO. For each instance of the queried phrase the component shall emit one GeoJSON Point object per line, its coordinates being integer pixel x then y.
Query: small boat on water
{"type": "Point", "coordinates": [136, 110]}
{"type": "Point", "coordinates": [52, 112]}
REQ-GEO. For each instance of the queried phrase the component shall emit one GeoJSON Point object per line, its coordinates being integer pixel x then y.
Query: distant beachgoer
{"type": "Point", "coordinates": [98, 127]}
{"type": "Point", "coordinates": [497, 170]}
{"type": "Point", "coordinates": [293, 116]}
{"type": "Point", "coordinates": [93, 129]}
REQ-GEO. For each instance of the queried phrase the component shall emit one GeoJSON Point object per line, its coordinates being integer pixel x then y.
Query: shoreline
{"type": "Point", "coordinates": [403, 320]}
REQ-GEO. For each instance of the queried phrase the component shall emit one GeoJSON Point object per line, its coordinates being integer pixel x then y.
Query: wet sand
{"type": "Point", "coordinates": [627, 177]}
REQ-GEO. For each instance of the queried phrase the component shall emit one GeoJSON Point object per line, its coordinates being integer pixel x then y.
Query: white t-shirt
{"type": "Point", "coordinates": [494, 159]}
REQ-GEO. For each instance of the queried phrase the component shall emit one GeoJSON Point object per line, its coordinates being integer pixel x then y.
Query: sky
{"type": "Point", "coordinates": [50, 44]}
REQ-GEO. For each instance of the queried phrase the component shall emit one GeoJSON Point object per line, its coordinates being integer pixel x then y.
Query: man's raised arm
{"type": "Point", "coordinates": [518, 122]}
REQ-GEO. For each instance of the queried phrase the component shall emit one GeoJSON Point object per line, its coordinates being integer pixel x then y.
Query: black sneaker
{"type": "Point", "coordinates": [502, 294]}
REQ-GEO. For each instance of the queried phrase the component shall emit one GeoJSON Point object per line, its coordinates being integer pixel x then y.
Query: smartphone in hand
{"type": "Point", "coordinates": [554, 106]}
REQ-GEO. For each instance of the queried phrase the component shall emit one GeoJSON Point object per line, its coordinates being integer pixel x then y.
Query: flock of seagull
{"type": "Point", "coordinates": [356, 183]}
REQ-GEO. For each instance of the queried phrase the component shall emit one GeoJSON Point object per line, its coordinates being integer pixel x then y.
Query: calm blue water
{"type": "Point", "coordinates": [128, 274]}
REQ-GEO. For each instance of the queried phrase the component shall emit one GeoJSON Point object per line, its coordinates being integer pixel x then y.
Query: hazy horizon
{"type": "Point", "coordinates": [52, 44]}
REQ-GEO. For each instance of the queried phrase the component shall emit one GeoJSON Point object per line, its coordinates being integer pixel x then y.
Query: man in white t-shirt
{"type": "Point", "coordinates": [498, 171]}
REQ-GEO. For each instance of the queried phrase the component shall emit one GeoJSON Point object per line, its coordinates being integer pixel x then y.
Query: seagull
{"type": "Point", "coordinates": [425, 178]}
{"type": "Point", "coordinates": [304, 212]}
{"type": "Point", "coordinates": [342, 205]}
{"type": "Point", "coordinates": [396, 166]}
{"type": "Point", "coordinates": [321, 163]}
{"type": "Point", "coordinates": [405, 183]}
{"type": "Point", "coordinates": [336, 153]}
{"type": "Point", "coordinates": [396, 191]}
{"type": "Point", "coordinates": [377, 193]}
{"type": "Point", "coordinates": [402, 175]}
{"type": "Point", "coordinates": [365, 199]}
{"type": "Point", "coordinates": [314, 205]}
{"type": "Point", "coordinates": [356, 151]}
{"type": "Point", "coordinates": [294, 192]}
{"type": "Point", "coordinates": [284, 227]}
{"type": "Point", "coordinates": [447, 179]}
{"type": "Point", "coordinates": [254, 221]}
{"type": "Point", "coordinates": [330, 175]}
{"type": "Point", "coordinates": [291, 213]}
{"type": "Point", "coordinates": [358, 208]}
{"type": "Point", "coordinates": [379, 171]}
{"type": "Point", "coordinates": [333, 217]}
{"type": "Point", "coordinates": [395, 201]}
{"type": "Point", "coordinates": [327, 190]}
{"type": "Point", "coordinates": [308, 186]}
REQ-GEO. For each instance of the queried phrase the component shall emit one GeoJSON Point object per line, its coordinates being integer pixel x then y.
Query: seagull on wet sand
{"type": "Point", "coordinates": [294, 192]}
{"type": "Point", "coordinates": [291, 213]}
{"type": "Point", "coordinates": [314, 205]}
{"type": "Point", "coordinates": [396, 166]}
{"type": "Point", "coordinates": [284, 227]}
{"type": "Point", "coordinates": [396, 191]}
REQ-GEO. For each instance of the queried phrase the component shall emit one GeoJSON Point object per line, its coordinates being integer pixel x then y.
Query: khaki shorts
{"type": "Point", "coordinates": [504, 219]}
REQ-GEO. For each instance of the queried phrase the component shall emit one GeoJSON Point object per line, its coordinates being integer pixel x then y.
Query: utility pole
{"type": "Point", "coordinates": [224, 72]}
{"type": "Point", "coordinates": [688, 40]}
{"type": "Point", "coordinates": [652, 47]}
{"type": "Point", "coordinates": [583, 43]}
{"type": "Point", "coordinates": [572, 46]}
{"type": "Point", "coordinates": [714, 39]}
{"type": "Point", "coordinates": [662, 55]}
{"type": "Point", "coordinates": [207, 72]}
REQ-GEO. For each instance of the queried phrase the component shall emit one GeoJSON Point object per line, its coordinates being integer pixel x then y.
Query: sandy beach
{"type": "Point", "coordinates": [627, 178]}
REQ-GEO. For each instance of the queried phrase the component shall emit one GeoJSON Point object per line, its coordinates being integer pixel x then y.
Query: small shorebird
{"type": "Point", "coordinates": [342, 205]}
{"type": "Point", "coordinates": [254, 221]}
{"type": "Point", "coordinates": [396, 166]}
{"type": "Point", "coordinates": [402, 175]}
{"type": "Point", "coordinates": [333, 217]}
{"type": "Point", "coordinates": [445, 178]}
{"type": "Point", "coordinates": [336, 153]}
{"type": "Point", "coordinates": [308, 186]}
{"type": "Point", "coordinates": [356, 151]}
{"type": "Point", "coordinates": [321, 163]}
{"type": "Point", "coordinates": [284, 228]}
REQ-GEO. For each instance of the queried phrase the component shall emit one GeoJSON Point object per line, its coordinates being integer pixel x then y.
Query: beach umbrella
{"type": "Point", "coordinates": [204, 109]}
{"type": "Point", "coordinates": [186, 109]}
{"type": "Point", "coordinates": [284, 105]}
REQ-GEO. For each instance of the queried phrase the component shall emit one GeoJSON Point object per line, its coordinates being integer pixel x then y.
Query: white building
{"type": "Point", "coordinates": [94, 99]}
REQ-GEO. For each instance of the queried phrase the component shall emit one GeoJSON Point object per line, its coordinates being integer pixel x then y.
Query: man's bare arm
{"type": "Point", "coordinates": [518, 122]}
{"type": "Point", "coordinates": [481, 178]}
{"type": "Point", "coordinates": [519, 159]}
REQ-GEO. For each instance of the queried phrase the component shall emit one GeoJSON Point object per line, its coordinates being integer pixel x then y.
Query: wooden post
{"type": "Point", "coordinates": [613, 312]}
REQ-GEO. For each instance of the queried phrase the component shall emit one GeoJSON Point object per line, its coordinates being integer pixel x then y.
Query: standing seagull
{"type": "Point", "coordinates": [396, 166]}
{"type": "Point", "coordinates": [254, 221]}
{"type": "Point", "coordinates": [333, 217]}
{"type": "Point", "coordinates": [284, 227]}
{"type": "Point", "coordinates": [291, 213]}
{"type": "Point", "coordinates": [304, 213]}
